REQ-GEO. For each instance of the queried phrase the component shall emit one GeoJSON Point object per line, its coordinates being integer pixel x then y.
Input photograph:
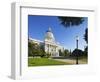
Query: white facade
{"type": "Point", "coordinates": [49, 43]}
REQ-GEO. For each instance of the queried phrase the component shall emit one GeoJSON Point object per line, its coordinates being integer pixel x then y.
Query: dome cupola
{"type": "Point", "coordinates": [49, 36]}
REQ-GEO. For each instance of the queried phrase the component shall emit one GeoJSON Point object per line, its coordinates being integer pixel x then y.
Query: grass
{"type": "Point", "coordinates": [48, 62]}
{"type": "Point", "coordinates": [44, 62]}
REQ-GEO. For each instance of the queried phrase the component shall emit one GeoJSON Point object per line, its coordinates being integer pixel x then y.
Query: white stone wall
{"type": "Point", "coordinates": [53, 49]}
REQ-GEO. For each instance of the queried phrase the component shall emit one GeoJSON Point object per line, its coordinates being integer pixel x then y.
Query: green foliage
{"type": "Point", "coordinates": [61, 53]}
{"type": "Point", "coordinates": [86, 39]}
{"type": "Point", "coordinates": [35, 49]}
{"type": "Point", "coordinates": [70, 21]}
{"type": "Point", "coordinates": [86, 35]}
{"type": "Point", "coordinates": [77, 52]}
{"type": "Point", "coordinates": [64, 53]}
{"type": "Point", "coordinates": [86, 51]}
{"type": "Point", "coordinates": [48, 55]}
{"type": "Point", "coordinates": [30, 49]}
{"type": "Point", "coordinates": [44, 62]}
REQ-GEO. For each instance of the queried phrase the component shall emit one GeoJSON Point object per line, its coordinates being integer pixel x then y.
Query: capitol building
{"type": "Point", "coordinates": [50, 45]}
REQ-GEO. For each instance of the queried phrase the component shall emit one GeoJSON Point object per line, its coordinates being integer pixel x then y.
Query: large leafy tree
{"type": "Point", "coordinates": [61, 53]}
{"type": "Point", "coordinates": [66, 52]}
{"type": "Point", "coordinates": [31, 49]}
{"type": "Point", "coordinates": [70, 21]}
{"type": "Point", "coordinates": [35, 49]}
{"type": "Point", "coordinates": [77, 52]}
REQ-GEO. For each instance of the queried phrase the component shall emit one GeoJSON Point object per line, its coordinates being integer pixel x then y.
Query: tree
{"type": "Point", "coordinates": [86, 39]}
{"type": "Point", "coordinates": [70, 52]}
{"type": "Point", "coordinates": [61, 53]}
{"type": "Point", "coordinates": [77, 52]}
{"type": "Point", "coordinates": [86, 35]}
{"type": "Point", "coordinates": [42, 53]}
{"type": "Point", "coordinates": [31, 49]}
{"type": "Point", "coordinates": [70, 21]}
{"type": "Point", "coordinates": [35, 50]}
{"type": "Point", "coordinates": [66, 52]}
{"type": "Point", "coordinates": [86, 51]}
{"type": "Point", "coordinates": [48, 55]}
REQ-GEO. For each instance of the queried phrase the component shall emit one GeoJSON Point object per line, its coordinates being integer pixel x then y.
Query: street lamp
{"type": "Point", "coordinates": [77, 39]}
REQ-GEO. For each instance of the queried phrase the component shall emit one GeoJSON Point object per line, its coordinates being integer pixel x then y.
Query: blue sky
{"type": "Point", "coordinates": [38, 25]}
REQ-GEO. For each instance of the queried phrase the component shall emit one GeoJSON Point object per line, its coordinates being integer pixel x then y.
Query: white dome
{"type": "Point", "coordinates": [49, 36]}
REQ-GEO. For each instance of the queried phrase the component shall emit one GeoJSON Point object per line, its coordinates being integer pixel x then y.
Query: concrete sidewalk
{"type": "Point", "coordinates": [71, 61]}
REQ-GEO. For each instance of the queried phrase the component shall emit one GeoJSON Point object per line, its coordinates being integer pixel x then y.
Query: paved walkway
{"type": "Point", "coordinates": [71, 61]}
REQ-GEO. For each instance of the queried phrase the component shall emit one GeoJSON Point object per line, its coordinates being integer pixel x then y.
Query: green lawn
{"type": "Point", "coordinates": [44, 62]}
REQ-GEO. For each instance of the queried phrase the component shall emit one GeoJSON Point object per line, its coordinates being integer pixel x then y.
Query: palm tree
{"type": "Point", "coordinates": [86, 35]}
{"type": "Point", "coordinates": [86, 39]}
{"type": "Point", "coordinates": [70, 21]}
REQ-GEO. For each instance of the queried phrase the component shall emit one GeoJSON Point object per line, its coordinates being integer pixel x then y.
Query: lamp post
{"type": "Point", "coordinates": [77, 39]}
